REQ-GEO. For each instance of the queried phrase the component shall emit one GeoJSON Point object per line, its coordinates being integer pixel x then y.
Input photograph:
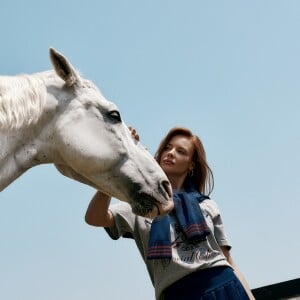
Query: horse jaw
{"type": "Point", "coordinates": [143, 203]}
{"type": "Point", "coordinates": [69, 172]}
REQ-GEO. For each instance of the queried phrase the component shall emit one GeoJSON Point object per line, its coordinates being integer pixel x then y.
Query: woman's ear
{"type": "Point", "coordinates": [191, 169]}
{"type": "Point", "coordinates": [192, 166]}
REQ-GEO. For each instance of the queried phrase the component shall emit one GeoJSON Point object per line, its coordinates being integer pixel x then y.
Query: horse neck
{"type": "Point", "coordinates": [19, 152]}
{"type": "Point", "coordinates": [25, 147]}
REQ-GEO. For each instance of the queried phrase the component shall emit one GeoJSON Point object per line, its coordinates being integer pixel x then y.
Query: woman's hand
{"type": "Point", "coordinates": [134, 134]}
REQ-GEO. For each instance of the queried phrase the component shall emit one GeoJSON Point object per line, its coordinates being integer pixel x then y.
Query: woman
{"type": "Point", "coordinates": [187, 253]}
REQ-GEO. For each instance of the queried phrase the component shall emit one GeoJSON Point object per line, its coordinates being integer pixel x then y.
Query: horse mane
{"type": "Point", "coordinates": [22, 99]}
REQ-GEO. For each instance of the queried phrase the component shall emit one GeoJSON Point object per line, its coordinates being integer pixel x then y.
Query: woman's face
{"type": "Point", "coordinates": [176, 158]}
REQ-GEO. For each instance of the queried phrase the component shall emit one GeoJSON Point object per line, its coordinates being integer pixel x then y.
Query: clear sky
{"type": "Point", "coordinates": [229, 70]}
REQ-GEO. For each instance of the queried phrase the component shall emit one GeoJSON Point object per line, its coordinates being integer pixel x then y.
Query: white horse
{"type": "Point", "coordinates": [58, 117]}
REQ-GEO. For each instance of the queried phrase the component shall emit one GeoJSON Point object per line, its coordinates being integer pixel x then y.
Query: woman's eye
{"type": "Point", "coordinates": [114, 115]}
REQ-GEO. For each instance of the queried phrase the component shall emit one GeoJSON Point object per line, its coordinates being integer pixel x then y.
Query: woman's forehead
{"type": "Point", "coordinates": [181, 140]}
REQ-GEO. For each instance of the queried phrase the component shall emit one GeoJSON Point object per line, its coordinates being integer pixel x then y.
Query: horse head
{"type": "Point", "coordinates": [85, 137]}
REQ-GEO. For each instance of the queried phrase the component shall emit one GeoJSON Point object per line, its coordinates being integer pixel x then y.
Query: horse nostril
{"type": "Point", "coordinates": [167, 187]}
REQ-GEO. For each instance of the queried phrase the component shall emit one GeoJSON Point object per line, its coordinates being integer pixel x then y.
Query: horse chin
{"type": "Point", "coordinates": [150, 208]}
{"type": "Point", "coordinates": [150, 212]}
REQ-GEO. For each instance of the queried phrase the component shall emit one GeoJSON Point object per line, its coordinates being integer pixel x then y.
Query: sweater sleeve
{"type": "Point", "coordinates": [212, 209]}
{"type": "Point", "coordinates": [124, 221]}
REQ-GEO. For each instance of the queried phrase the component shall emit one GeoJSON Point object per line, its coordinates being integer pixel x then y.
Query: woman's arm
{"type": "Point", "coordinates": [237, 272]}
{"type": "Point", "coordinates": [97, 213]}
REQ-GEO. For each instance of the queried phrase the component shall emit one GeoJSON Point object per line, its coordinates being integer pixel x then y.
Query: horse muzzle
{"type": "Point", "coordinates": [153, 204]}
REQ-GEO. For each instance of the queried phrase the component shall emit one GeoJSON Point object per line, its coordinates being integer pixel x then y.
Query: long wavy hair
{"type": "Point", "coordinates": [201, 176]}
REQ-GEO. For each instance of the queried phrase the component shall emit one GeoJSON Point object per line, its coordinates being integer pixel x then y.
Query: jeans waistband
{"type": "Point", "coordinates": [207, 279]}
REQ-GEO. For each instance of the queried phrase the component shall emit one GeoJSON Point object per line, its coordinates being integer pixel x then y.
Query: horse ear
{"type": "Point", "coordinates": [63, 68]}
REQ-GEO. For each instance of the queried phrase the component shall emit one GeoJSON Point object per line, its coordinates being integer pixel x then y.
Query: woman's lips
{"type": "Point", "coordinates": [168, 162]}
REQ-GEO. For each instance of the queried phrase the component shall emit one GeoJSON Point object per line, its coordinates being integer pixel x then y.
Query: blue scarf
{"type": "Point", "coordinates": [190, 219]}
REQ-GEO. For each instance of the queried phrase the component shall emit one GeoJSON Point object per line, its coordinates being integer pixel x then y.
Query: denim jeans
{"type": "Point", "coordinates": [219, 283]}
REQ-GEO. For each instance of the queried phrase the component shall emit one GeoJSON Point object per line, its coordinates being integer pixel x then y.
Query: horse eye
{"type": "Point", "coordinates": [114, 115]}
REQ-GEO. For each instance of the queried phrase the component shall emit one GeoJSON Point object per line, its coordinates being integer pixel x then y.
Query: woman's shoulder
{"type": "Point", "coordinates": [210, 205]}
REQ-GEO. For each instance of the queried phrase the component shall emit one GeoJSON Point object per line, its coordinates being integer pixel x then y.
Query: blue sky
{"type": "Point", "coordinates": [229, 70]}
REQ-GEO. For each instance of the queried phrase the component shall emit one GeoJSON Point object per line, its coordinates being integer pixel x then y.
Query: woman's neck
{"type": "Point", "coordinates": [176, 183]}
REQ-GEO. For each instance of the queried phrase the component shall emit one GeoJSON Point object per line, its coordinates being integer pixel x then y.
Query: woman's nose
{"type": "Point", "coordinates": [170, 153]}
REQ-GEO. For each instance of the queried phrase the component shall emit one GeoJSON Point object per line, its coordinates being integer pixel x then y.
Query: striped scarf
{"type": "Point", "coordinates": [190, 219]}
